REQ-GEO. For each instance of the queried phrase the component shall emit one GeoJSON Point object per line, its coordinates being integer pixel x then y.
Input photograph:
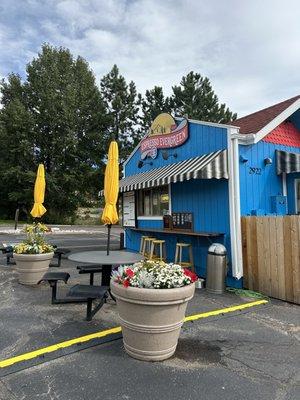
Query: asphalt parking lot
{"type": "Point", "coordinates": [249, 354]}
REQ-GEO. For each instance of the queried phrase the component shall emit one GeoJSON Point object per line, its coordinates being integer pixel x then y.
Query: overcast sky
{"type": "Point", "coordinates": [250, 49]}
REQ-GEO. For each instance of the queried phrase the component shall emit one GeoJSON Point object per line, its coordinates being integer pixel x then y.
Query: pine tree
{"type": "Point", "coordinates": [122, 103]}
{"type": "Point", "coordinates": [153, 104]}
{"type": "Point", "coordinates": [196, 99]}
{"type": "Point", "coordinates": [16, 148]}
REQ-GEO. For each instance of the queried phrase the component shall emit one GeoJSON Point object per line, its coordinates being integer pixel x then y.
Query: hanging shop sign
{"type": "Point", "coordinates": [164, 134]}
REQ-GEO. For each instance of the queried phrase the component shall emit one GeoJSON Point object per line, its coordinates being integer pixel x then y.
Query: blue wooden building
{"type": "Point", "coordinates": [213, 174]}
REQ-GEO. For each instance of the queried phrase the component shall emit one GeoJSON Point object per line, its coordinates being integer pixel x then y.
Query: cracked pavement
{"type": "Point", "coordinates": [253, 354]}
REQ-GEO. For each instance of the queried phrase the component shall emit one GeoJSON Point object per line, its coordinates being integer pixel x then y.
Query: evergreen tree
{"type": "Point", "coordinates": [153, 104]}
{"type": "Point", "coordinates": [122, 103]}
{"type": "Point", "coordinates": [196, 99]}
{"type": "Point", "coordinates": [67, 120]}
{"type": "Point", "coordinates": [16, 148]}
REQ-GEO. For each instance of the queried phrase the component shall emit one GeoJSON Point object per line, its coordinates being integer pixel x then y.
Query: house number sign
{"type": "Point", "coordinates": [254, 171]}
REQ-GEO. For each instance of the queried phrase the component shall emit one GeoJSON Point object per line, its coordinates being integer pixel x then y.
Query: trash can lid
{"type": "Point", "coordinates": [218, 249]}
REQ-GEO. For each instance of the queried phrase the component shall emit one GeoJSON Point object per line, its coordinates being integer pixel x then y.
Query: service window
{"type": "Point", "coordinates": [153, 202]}
{"type": "Point", "coordinates": [297, 195]}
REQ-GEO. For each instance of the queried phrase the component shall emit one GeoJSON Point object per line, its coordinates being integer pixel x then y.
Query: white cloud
{"type": "Point", "coordinates": [249, 50]}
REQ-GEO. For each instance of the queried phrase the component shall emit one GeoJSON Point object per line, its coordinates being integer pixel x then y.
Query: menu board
{"type": "Point", "coordinates": [182, 220]}
{"type": "Point", "coordinates": [129, 217]}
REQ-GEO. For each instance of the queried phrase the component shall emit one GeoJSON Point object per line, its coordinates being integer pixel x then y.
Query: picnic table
{"type": "Point", "coordinates": [98, 261]}
{"type": "Point", "coordinates": [115, 258]}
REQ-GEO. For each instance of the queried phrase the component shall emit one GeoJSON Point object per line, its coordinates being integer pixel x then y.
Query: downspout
{"type": "Point", "coordinates": [234, 203]}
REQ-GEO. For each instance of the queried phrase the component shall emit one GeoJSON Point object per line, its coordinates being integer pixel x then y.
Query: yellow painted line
{"type": "Point", "coordinates": [50, 349]}
{"type": "Point", "coordinates": [224, 310]}
{"type": "Point", "coordinates": [54, 347]}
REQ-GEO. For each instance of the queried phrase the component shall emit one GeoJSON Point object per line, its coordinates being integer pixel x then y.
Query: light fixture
{"type": "Point", "coordinates": [243, 159]}
{"type": "Point", "coordinates": [166, 155]}
{"type": "Point", "coordinates": [142, 163]}
{"type": "Point", "coordinates": [268, 161]}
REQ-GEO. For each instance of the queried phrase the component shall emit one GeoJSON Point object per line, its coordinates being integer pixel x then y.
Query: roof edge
{"type": "Point", "coordinates": [277, 121]}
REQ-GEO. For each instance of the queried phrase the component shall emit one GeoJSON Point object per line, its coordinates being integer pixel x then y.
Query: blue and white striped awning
{"type": "Point", "coordinates": [207, 166]}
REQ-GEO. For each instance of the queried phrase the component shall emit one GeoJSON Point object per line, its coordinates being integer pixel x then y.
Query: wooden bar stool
{"type": "Point", "coordinates": [146, 250]}
{"type": "Point", "coordinates": [142, 242]}
{"type": "Point", "coordinates": [179, 253]}
{"type": "Point", "coordinates": [161, 246]}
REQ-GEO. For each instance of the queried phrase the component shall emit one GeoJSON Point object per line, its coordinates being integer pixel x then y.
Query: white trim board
{"type": "Point", "coordinates": [234, 203]}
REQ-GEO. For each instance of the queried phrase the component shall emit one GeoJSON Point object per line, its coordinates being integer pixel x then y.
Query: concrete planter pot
{"type": "Point", "coordinates": [151, 319]}
{"type": "Point", "coordinates": [32, 267]}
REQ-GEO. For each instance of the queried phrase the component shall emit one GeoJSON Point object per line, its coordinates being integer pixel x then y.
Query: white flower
{"type": "Point", "coordinates": [152, 274]}
{"type": "Point", "coordinates": [145, 279]}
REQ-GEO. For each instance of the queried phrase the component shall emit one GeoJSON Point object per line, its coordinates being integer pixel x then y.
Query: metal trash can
{"type": "Point", "coordinates": [216, 268]}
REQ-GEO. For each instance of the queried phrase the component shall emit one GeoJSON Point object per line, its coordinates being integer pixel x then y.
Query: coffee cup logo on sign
{"type": "Point", "coordinates": [163, 134]}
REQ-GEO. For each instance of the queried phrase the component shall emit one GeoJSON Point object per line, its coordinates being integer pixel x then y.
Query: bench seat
{"type": "Point", "coordinates": [88, 291]}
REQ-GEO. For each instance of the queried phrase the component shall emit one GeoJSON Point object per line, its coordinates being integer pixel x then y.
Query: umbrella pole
{"type": "Point", "coordinates": [108, 239]}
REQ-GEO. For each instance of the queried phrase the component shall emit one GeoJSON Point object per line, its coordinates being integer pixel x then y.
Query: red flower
{"type": "Point", "coordinates": [126, 282]}
{"type": "Point", "coordinates": [190, 274]}
{"type": "Point", "coordinates": [129, 272]}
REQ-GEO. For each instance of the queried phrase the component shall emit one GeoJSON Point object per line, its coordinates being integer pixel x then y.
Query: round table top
{"type": "Point", "coordinates": [115, 257]}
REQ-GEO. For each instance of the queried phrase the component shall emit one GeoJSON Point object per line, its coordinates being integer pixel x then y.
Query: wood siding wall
{"type": "Point", "coordinates": [271, 256]}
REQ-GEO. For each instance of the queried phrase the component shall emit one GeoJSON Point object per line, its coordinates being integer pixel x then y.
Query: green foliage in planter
{"type": "Point", "coordinates": [35, 242]}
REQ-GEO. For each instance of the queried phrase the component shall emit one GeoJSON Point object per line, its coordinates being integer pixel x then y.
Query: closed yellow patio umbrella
{"type": "Point", "coordinates": [111, 189]}
{"type": "Point", "coordinates": [39, 193]}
